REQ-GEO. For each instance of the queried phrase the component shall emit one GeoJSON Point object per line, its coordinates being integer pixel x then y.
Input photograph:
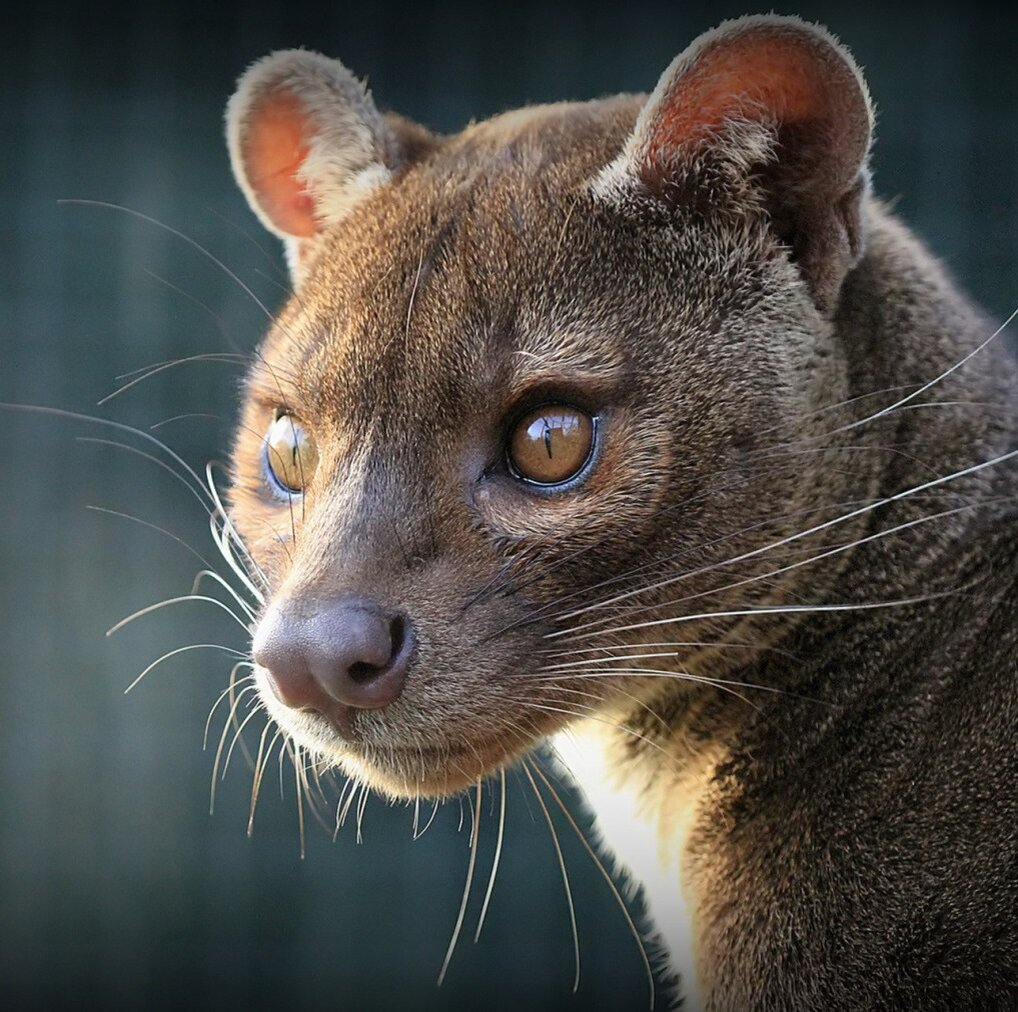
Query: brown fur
{"type": "Point", "coordinates": [848, 841]}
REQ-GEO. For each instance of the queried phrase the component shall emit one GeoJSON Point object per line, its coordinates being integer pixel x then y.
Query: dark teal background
{"type": "Point", "coordinates": [117, 890]}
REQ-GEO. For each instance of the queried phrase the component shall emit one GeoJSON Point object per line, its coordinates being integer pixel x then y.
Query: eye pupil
{"type": "Point", "coordinates": [551, 444]}
{"type": "Point", "coordinates": [290, 453]}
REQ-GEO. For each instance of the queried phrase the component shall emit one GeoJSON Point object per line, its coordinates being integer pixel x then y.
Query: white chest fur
{"type": "Point", "coordinates": [630, 833]}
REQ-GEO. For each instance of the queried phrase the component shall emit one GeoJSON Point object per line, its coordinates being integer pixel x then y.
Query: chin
{"type": "Point", "coordinates": [408, 773]}
{"type": "Point", "coordinates": [401, 770]}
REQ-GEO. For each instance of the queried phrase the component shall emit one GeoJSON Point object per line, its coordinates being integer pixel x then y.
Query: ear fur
{"type": "Point", "coordinates": [306, 143]}
{"type": "Point", "coordinates": [777, 111]}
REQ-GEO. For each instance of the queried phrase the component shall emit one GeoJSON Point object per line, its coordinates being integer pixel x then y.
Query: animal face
{"type": "Point", "coordinates": [519, 408]}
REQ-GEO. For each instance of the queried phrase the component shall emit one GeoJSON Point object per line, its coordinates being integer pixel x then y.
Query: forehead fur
{"type": "Point", "coordinates": [489, 264]}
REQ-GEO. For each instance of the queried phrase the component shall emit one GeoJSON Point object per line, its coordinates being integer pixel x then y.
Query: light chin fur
{"type": "Point", "coordinates": [404, 772]}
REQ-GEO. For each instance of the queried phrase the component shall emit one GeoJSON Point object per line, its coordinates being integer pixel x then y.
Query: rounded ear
{"type": "Point", "coordinates": [767, 103]}
{"type": "Point", "coordinates": [306, 143]}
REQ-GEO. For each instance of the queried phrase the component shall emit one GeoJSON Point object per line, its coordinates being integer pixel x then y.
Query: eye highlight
{"type": "Point", "coordinates": [291, 455]}
{"type": "Point", "coordinates": [551, 444]}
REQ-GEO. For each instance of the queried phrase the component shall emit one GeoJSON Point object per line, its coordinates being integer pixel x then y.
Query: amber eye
{"type": "Point", "coordinates": [551, 444]}
{"type": "Point", "coordinates": [290, 454]}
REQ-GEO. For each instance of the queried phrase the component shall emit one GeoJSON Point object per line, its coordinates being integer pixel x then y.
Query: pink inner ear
{"type": "Point", "coordinates": [273, 148]}
{"type": "Point", "coordinates": [755, 77]}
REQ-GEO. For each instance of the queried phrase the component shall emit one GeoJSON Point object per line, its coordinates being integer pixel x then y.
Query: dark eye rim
{"type": "Point", "coordinates": [581, 473]}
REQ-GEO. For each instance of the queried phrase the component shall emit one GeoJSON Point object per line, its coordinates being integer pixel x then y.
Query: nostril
{"type": "Point", "coordinates": [345, 653]}
{"type": "Point", "coordinates": [364, 671]}
{"type": "Point", "coordinates": [397, 637]}
{"type": "Point", "coordinates": [361, 671]}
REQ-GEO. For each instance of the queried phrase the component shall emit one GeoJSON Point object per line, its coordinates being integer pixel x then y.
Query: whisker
{"type": "Point", "coordinates": [361, 805]}
{"type": "Point", "coordinates": [119, 426]}
{"type": "Point", "coordinates": [565, 874]}
{"type": "Point", "coordinates": [354, 791]}
{"type": "Point", "coordinates": [474, 834]}
{"type": "Point", "coordinates": [262, 761]}
{"type": "Point", "coordinates": [247, 690]}
{"type": "Point", "coordinates": [431, 819]}
{"type": "Point", "coordinates": [177, 600]}
{"type": "Point", "coordinates": [184, 238]}
{"type": "Point", "coordinates": [294, 751]}
{"type": "Point", "coordinates": [664, 643]}
{"type": "Point", "coordinates": [495, 860]}
{"type": "Point", "coordinates": [186, 414]}
{"type": "Point", "coordinates": [933, 382]}
{"type": "Point", "coordinates": [843, 518]}
{"type": "Point", "coordinates": [350, 786]}
{"type": "Point", "coordinates": [181, 650]}
{"type": "Point", "coordinates": [154, 370]}
{"type": "Point", "coordinates": [776, 610]}
{"type": "Point", "coordinates": [600, 699]}
{"type": "Point", "coordinates": [236, 736]}
{"type": "Point", "coordinates": [229, 529]}
{"type": "Point", "coordinates": [211, 574]}
{"type": "Point", "coordinates": [687, 676]}
{"type": "Point", "coordinates": [160, 530]}
{"type": "Point", "coordinates": [195, 490]}
{"type": "Point", "coordinates": [836, 550]}
{"type": "Point", "coordinates": [592, 715]}
{"type": "Point", "coordinates": [611, 885]}
{"type": "Point", "coordinates": [546, 609]}
{"type": "Point", "coordinates": [215, 706]}
{"type": "Point", "coordinates": [827, 409]}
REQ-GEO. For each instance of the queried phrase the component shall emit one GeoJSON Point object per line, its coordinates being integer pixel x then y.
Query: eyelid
{"type": "Point", "coordinates": [567, 392]}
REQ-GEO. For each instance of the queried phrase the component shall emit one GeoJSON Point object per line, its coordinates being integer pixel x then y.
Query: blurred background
{"type": "Point", "coordinates": [117, 888]}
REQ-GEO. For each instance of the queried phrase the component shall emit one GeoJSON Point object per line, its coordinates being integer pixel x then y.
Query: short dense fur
{"type": "Point", "coordinates": [728, 299]}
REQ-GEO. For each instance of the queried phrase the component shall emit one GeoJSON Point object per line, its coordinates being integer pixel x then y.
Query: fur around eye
{"type": "Point", "coordinates": [291, 455]}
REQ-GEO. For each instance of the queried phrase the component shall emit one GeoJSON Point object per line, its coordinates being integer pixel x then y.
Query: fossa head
{"type": "Point", "coordinates": [526, 376]}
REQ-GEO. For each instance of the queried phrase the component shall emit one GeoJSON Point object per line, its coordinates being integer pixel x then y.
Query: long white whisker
{"type": "Point", "coordinates": [236, 737]}
{"type": "Point", "coordinates": [182, 478]}
{"type": "Point", "coordinates": [120, 427]}
{"type": "Point", "coordinates": [154, 527]}
{"type": "Point", "coordinates": [684, 676]}
{"type": "Point", "coordinates": [247, 690]}
{"type": "Point", "coordinates": [225, 543]}
{"type": "Point", "coordinates": [213, 575]}
{"type": "Point", "coordinates": [829, 553]}
{"type": "Point", "coordinates": [598, 698]}
{"type": "Point", "coordinates": [177, 600]}
{"type": "Point", "coordinates": [862, 510]}
{"type": "Point", "coordinates": [295, 758]}
{"type": "Point", "coordinates": [361, 805]}
{"type": "Point", "coordinates": [182, 650]}
{"type": "Point", "coordinates": [215, 706]}
{"type": "Point", "coordinates": [229, 528]}
{"type": "Point", "coordinates": [611, 885]}
{"type": "Point", "coordinates": [592, 715]}
{"type": "Point", "coordinates": [933, 382]}
{"type": "Point", "coordinates": [261, 762]}
{"type": "Point", "coordinates": [431, 819]}
{"type": "Point", "coordinates": [495, 860]}
{"type": "Point", "coordinates": [565, 874]}
{"type": "Point", "coordinates": [474, 834]}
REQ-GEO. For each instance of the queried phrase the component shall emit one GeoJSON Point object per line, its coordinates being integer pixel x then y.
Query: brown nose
{"type": "Point", "coordinates": [344, 653]}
